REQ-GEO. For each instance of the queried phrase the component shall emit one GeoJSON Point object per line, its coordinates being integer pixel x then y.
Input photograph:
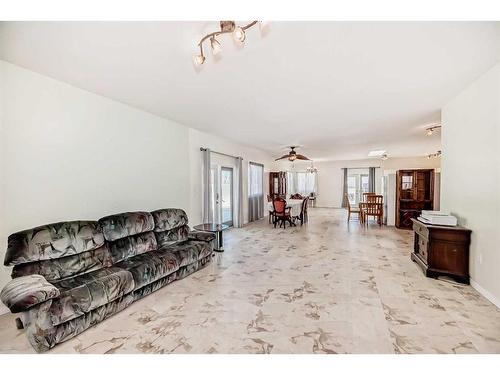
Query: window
{"type": "Point", "coordinates": [255, 191]}
{"type": "Point", "coordinates": [303, 183]}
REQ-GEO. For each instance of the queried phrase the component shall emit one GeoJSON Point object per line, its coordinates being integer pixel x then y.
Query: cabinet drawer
{"type": "Point", "coordinates": [420, 229]}
{"type": "Point", "coordinates": [422, 248]}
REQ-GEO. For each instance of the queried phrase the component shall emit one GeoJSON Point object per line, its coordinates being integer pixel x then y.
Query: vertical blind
{"type": "Point", "coordinates": [255, 191]}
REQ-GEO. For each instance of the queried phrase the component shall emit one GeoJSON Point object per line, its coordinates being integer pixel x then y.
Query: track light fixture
{"type": "Point", "coordinates": [430, 131]}
{"type": "Point", "coordinates": [435, 155]}
{"type": "Point", "coordinates": [215, 45]}
{"type": "Point", "coordinates": [226, 27]}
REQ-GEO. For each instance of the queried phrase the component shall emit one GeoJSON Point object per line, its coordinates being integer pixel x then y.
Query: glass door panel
{"type": "Point", "coordinates": [226, 185]}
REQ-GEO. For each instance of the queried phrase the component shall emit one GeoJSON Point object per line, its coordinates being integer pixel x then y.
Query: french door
{"type": "Point", "coordinates": [222, 194]}
{"type": "Point", "coordinates": [357, 184]}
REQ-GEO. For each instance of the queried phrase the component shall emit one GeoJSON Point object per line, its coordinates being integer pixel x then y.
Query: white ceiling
{"type": "Point", "coordinates": [339, 89]}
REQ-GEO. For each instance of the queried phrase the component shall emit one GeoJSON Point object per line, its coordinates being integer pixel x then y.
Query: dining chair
{"type": "Point", "coordinates": [281, 213]}
{"type": "Point", "coordinates": [303, 211]}
{"type": "Point", "coordinates": [352, 209]}
{"type": "Point", "coordinates": [373, 207]}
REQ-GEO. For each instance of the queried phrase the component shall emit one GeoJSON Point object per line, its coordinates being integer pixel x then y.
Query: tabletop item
{"type": "Point", "coordinates": [214, 228]}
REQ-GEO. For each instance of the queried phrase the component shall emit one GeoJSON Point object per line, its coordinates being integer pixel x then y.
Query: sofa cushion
{"type": "Point", "coordinates": [61, 268]}
{"type": "Point", "coordinates": [132, 245]}
{"type": "Point", "coordinates": [87, 292]}
{"type": "Point", "coordinates": [53, 241]}
{"type": "Point", "coordinates": [169, 218]}
{"type": "Point", "coordinates": [172, 236]}
{"type": "Point", "coordinates": [25, 292]}
{"type": "Point", "coordinates": [126, 224]}
{"type": "Point", "coordinates": [190, 251]}
{"type": "Point", "coordinates": [150, 266]}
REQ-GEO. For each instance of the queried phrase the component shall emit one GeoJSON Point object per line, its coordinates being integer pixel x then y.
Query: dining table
{"type": "Point", "coordinates": [294, 204]}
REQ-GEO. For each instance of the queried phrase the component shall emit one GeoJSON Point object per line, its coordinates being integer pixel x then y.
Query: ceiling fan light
{"type": "Point", "coordinates": [199, 59]}
{"type": "Point", "coordinates": [430, 131]}
{"type": "Point", "coordinates": [216, 47]}
{"type": "Point", "coordinates": [239, 34]}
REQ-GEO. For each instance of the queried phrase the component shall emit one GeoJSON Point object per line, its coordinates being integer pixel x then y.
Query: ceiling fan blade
{"type": "Point", "coordinates": [282, 157]}
{"type": "Point", "coordinates": [302, 157]}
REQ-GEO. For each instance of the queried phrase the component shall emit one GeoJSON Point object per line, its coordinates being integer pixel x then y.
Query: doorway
{"type": "Point", "coordinates": [357, 184]}
{"type": "Point", "coordinates": [223, 194]}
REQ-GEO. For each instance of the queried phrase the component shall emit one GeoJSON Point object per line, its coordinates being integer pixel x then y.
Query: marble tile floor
{"type": "Point", "coordinates": [325, 287]}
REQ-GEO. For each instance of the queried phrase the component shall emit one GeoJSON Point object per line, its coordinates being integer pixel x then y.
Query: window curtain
{"type": "Point", "coordinates": [303, 183]}
{"type": "Point", "coordinates": [238, 214]}
{"type": "Point", "coordinates": [371, 179]}
{"type": "Point", "coordinates": [255, 191]}
{"type": "Point", "coordinates": [344, 189]}
{"type": "Point", "coordinates": [207, 209]}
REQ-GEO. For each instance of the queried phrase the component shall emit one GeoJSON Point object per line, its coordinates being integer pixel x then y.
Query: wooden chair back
{"type": "Point", "coordinates": [303, 209]}
{"type": "Point", "coordinates": [279, 206]}
{"type": "Point", "coordinates": [374, 198]}
{"type": "Point", "coordinates": [366, 195]}
{"type": "Point", "coordinates": [346, 197]}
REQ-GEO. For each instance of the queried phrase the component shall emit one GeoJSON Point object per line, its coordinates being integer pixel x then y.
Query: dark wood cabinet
{"type": "Point", "coordinates": [441, 250]}
{"type": "Point", "coordinates": [277, 184]}
{"type": "Point", "coordinates": [414, 193]}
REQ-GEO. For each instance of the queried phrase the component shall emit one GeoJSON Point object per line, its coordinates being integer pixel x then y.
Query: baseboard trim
{"type": "Point", "coordinates": [490, 297]}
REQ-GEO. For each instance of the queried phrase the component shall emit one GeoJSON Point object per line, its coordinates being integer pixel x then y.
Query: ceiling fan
{"type": "Point", "coordinates": [292, 155]}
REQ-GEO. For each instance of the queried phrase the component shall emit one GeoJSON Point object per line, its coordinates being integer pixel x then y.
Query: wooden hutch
{"type": "Point", "coordinates": [414, 193]}
{"type": "Point", "coordinates": [277, 184]}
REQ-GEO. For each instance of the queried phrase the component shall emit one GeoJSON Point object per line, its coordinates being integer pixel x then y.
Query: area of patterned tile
{"type": "Point", "coordinates": [325, 287]}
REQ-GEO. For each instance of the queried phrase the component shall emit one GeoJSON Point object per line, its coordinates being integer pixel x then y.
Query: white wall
{"type": "Point", "coordinates": [67, 154]}
{"type": "Point", "coordinates": [470, 181]}
{"type": "Point", "coordinates": [199, 139]}
{"type": "Point", "coordinates": [330, 177]}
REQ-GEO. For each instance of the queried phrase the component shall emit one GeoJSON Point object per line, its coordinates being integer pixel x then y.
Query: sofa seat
{"type": "Point", "coordinates": [89, 291]}
{"type": "Point", "coordinates": [151, 266]}
{"type": "Point", "coordinates": [189, 252]}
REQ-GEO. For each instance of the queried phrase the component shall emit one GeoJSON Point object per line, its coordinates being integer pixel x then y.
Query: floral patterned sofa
{"type": "Point", "coordinates": [69, 276]}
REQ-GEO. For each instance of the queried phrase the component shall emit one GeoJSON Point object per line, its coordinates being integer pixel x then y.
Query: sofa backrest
{"type": "Point", "coordinates": [128, 234]}
{"type": "Point", "coordinates": [170, 226]}
{"type": "Point", "coordinates": [58, 250]}
{"type": "Point", "coordinates": [62, 250]}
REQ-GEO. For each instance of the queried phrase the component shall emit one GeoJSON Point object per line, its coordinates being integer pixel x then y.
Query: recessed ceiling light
{"type": "Point", "coordinates": [376, 153]}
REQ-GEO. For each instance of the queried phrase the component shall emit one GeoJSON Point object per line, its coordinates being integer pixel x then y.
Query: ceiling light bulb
{"type": "Point", "coordinates": [216, 47]}
{"type": "Point", "coordinates": [239, 34]}
{"type": "Point", "coordinates": [292, 157]}
{"type": "Point", "coordinates": [384, 157]}
{"type": "Point", "coordinates": [199, 59]}
{"type": "Point", "coordinates": [430, 131]}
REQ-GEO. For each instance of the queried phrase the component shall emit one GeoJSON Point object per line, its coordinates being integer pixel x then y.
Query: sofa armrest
{"type": "Point", "coordinates": [22, 293]}
{"type": "Point", "coordinates": [201, 236]}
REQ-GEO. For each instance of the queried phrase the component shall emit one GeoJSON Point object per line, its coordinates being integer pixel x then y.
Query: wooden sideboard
{"type": "Point", "coordinates": [442, 250]}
